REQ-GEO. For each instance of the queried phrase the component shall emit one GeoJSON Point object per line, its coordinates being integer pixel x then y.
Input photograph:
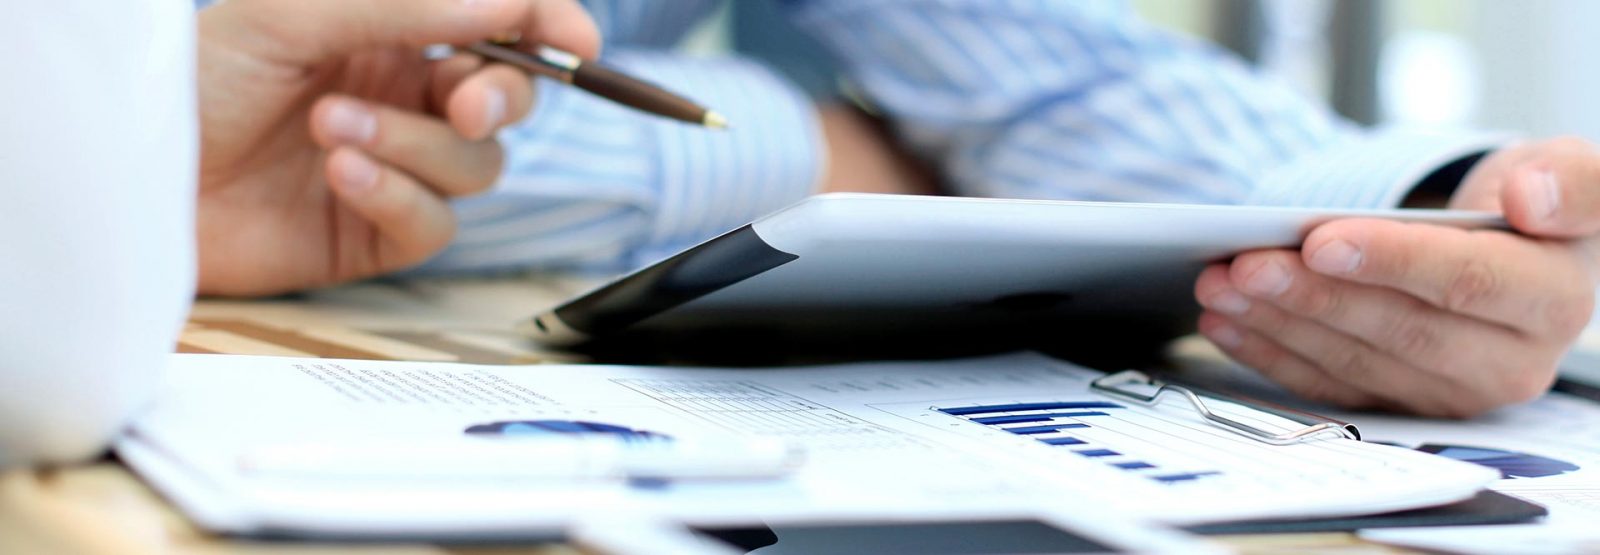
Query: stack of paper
{"type": "Point", "coordinates": [1000, 435]}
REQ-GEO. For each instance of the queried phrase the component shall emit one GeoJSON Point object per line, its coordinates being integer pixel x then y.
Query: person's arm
{"type": "Point", "coordinates": [1051, 99]}
{"type": "Point", "coordinates": [593, 186]}
{"type": "Point", "coordinates": [97, 194]}
{"type": "Point", "coordinates": [1084, 100]}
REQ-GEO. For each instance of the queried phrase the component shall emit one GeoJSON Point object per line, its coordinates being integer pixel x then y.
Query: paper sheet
{"type": "Point", "coordinates": [1548, 450]}
{"type": "Point", "coordinates": [1549, 453]}
{"type": "Point", "coordinates": [996, 435]}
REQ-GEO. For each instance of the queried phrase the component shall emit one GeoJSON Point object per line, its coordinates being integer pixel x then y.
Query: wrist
{"type": "Point", "coordinates": [863, 157]}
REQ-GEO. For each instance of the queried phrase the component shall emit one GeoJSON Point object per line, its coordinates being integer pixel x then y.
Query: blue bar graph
{"type": "Point", "coordinates": [983, 409]}
{"type": "Point", "coordinates": [1033, 417]}
{"type": "Point", "coordinates": [1044, 427]}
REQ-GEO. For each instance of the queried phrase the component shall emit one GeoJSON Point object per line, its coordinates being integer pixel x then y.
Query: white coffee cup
{"type": "Point", "coordinates": [98, 164]}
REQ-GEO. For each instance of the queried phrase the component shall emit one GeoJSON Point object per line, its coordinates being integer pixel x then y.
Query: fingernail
{"type": "Point", "coordinates": [355, 174]}
{"type": "Point", "coordinates": [1226, 336]}
{"type": "Point", "coordinates": [1270, 280]}
{"type": "Point", "coordinates": [1229, 302]}
{"type": "Point", "coordinates": [1337, 257]}
{"type": "Point", "coordinates": [494, 108]}
{"type": "Point", "coordinates": [351, 123]}
{"type": "Point", "coordinates": [1545, 197]}
{"type": "Point", "coordinates": [480, 3]}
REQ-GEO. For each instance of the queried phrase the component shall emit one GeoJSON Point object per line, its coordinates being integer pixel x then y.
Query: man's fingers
{"type": "Point", "coordinates": [479, 99]}
{"type": "Point", "coordinates": [564, 24]}
{"type": "Point", "coordinates": [1532, 286]}
{"type": "Point", "coordinates": [1282, 366]}
{"type": "Point", "coordinates": [422, 146]}
{"type": "Point", "coordinates": [447, 75]}
{"type": "Point", "coordinates": [1555, 192]}
{"type": "Point", "coordinates": [489, 99]}
{"type": "Point", "coordinates": [304, 32]}
{"type": "Point", "coordinates": [1450, 346]}
{"type": "Point", "coordinates": [1355, 365]}
{"type": "Point", "coordinates": [411, 223]}
{"type": "Point", "coordinates": [1464, 388]}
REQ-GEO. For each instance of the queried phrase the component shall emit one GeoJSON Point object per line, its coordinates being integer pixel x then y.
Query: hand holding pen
{"type": "Point", "coordinates": [337, 145]}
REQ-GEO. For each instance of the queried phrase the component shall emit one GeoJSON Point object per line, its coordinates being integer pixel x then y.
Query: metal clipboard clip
{"type": "Point", "coordinates": [1121, 385]}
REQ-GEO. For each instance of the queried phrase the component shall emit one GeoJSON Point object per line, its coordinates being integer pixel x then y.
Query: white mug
{"type": "Point", "coordinates": [98, 163]}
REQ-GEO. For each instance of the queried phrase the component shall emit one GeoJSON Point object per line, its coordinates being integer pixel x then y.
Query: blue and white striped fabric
{"type": "Point", "coordinates": [593, 186]}
{"type": "Point", "coordinates": [1052, 99]}
{"type": "Point", "coordinates": [1083, 100]}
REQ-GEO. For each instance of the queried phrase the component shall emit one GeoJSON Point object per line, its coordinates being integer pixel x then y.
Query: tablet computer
{"type": "Point", "coordinates": [848, 275]}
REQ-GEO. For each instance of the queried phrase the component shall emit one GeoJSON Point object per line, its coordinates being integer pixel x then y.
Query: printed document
{"type": "Point", "coordinates": [1007, 434]}
{"type": "Point", "coordinates": [1547, 451]}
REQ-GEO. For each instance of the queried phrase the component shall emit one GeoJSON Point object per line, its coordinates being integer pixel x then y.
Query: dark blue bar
{"type": "Point", "coordinates": [1098, 453]}
{"type": "Point", "coordinates": [963, 411]}
{"type": "Point", "coordinates": [1072, 414]}
{"type": "Point", "coordinates": [1011, 419]}
{"type": "Point", "coordinates": [1045, 429]}
{"type": "Point", "coordinates": [1182, 477]}
{"type": "Point", "coordinates": [1135, 465]}
{"type": "Point", "coordinates": [1018, 419]}
{"type": "Point", "coordinates": [1062, 440]}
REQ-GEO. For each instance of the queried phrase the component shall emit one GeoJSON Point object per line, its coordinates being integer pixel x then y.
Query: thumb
{"type": "Point", "coordinates": [1556, 196]}
{"type": "Point", "coordinates": [306, 32]}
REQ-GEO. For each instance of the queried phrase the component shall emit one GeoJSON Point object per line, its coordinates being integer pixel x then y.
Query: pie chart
{"type": "Point", "coordinates": [1511, 464]}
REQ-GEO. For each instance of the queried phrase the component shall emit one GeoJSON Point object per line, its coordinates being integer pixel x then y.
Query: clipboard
{"type": "Point", "coordinates": [1136, 387]}
{"type": "Point", "coordinates": [1488, 507]}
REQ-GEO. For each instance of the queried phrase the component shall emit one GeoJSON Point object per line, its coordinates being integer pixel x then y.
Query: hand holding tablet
{"type": "Point", "coordinates": [858, 274]}
{"type": "Point", "coordinates": [1420, 318]}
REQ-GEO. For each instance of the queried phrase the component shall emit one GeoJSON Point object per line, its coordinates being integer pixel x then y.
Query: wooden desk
{"type": "Point", "coordinates": [102, 508]}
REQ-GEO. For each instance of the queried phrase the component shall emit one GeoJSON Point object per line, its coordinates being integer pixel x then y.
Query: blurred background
{"type": "Point", "coordinates": [1522, 65]}
{"type": "Point", "coordinates": [1525, 65]}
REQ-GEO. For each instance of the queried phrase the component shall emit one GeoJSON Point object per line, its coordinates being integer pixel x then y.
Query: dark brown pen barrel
{"type": "Point", "coordinates": [635, 93]}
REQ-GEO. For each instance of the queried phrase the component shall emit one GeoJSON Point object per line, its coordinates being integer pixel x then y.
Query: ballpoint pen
{"type": "Point", "coordinates": [598, 79]}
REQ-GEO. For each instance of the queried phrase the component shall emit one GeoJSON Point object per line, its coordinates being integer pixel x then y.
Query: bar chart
{"type": "Point", "coordinates": [1068, 425]}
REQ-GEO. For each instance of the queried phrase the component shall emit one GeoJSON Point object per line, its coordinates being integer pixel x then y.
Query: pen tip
{"type": "Point", "coordinates": [714, 120]}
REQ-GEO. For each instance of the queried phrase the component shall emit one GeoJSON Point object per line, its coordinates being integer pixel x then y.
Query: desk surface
{"type": "Point", "coordinates": [102, 508]}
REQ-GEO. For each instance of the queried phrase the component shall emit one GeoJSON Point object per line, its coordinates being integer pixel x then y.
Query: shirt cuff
{"type": "Point", "coordinates": [1370, 170]}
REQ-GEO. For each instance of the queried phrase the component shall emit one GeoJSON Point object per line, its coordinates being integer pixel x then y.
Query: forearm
{"type": "Point", "coordinates": [1083, 100]}
{"type": "Point", "coordinates": [863, 157]}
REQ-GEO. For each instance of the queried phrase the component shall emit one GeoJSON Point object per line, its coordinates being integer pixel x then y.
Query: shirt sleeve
{"type": "Point", "coordinates": [1083, 100]}
{"type": "Point", "coordinates": [591, 185]}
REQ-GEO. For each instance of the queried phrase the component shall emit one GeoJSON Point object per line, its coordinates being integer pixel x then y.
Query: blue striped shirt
{"type": "Point", "coordinates": [1044, 99]}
